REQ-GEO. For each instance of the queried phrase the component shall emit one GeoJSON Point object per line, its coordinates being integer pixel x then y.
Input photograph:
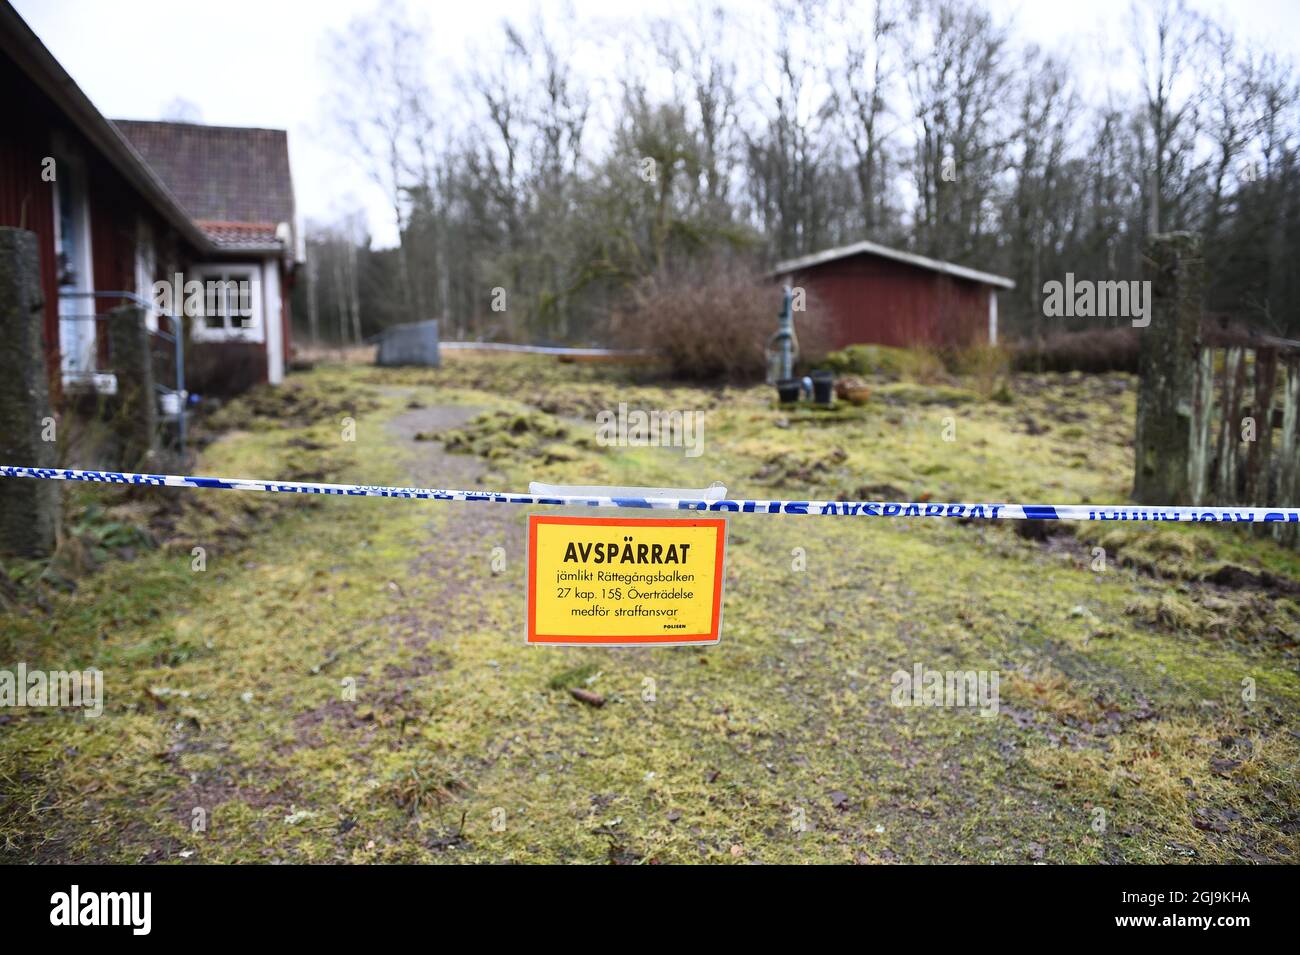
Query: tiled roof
{"type": "Point", "coordinates": [221, 174]}
{"type": "Point", "coordinates": [240, 235]}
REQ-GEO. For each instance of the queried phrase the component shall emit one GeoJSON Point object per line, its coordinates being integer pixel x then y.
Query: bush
{"type": "Point", "coordinates": [987, 367]}
{"type": "Point", "coordinates": [897, 364]}
{"type": "Point", "coordinates": [1106, 349]}
{"type": "Point", "coordinates": [223, 371]}
{"type": "Point", "coordinates": [712, 322]}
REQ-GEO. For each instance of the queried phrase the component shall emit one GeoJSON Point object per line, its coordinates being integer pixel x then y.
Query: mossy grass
{"type": "Point", "coordinates": [347, 680]}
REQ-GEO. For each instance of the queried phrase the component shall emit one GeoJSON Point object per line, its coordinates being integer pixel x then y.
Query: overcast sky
{"type": "Point", "coordinates": [262, 62]}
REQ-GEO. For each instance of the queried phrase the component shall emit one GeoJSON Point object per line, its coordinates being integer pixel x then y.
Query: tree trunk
{"type": "Point", "coordinates": [1167, 369]}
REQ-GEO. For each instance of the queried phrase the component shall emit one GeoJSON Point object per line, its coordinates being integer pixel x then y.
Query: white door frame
{"type": "Point", "coordinates": [274, 327]}
{"type": "Point", "coordinates": [146, 264]}
{"type": "Point", "coordinates": [76, 335]}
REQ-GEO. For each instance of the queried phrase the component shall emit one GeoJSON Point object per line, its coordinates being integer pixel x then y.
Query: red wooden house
{"type": "Point", "coordinates": [118, 206]}
{"type": "Point", "coordinates": [876, 295]}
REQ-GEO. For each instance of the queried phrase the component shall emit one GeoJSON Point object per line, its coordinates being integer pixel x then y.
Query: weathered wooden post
{"type": "Point", "coordinates": [1288, 479]}
{"type": "Point", "coordinates": [135, 411]}
{"type": "Point", "coordinates": [29, 510]}
{"type": "Point", "coordinates": [1167, 369]}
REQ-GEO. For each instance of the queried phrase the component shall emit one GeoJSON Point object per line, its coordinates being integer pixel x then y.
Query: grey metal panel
{"type": "Point", "coordinates": [413, 344]}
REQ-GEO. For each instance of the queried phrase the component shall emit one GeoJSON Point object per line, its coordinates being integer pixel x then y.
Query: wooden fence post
{"type": "Point", "coordinates": [1198, 462]}
{"type": "Point", "coordinates": [1259, 454]}
{"type": "Point", "coordinates": [1167, 369]}
{"type": "Point", "coordinates": [29, 509]}
{"type": "Point", "coordinates": [1288, 491]}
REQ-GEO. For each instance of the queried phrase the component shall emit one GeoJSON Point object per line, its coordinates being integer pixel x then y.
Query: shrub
{"type": "Point", "coordinates": [1106, 349]}
{"type": "Point", "coordinates": [712, 322]}
{"type": "Point", "coordinates": [897, 364]}
{"type": "Point", "coordinates": [987, 367]}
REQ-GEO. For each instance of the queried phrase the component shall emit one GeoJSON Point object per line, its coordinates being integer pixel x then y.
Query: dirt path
{"type": "Point", "coordinates": [453, 567]}
{"type": "Point", "coordinates": [429, 463]}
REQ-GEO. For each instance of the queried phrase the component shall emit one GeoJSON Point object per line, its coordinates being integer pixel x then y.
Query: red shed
{"type": "Point", "coordinates": [881, 296]}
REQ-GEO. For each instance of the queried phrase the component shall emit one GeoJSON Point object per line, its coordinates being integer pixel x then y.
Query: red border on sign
{"type": "Point", "coordinates": [535, 520]}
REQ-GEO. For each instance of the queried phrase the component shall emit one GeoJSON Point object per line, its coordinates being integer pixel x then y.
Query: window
{"type": "Point", "coordinates": [231, 308]}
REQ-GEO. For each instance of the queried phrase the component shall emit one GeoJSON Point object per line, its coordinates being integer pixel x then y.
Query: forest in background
{"type": "Point", "coordinates": [574, 163]}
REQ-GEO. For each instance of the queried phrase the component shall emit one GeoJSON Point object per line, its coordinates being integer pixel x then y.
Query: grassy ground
{"type": "Point", "coordinates": [346, 679]}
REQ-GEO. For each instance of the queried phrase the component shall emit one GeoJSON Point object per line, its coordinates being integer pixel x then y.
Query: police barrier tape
{"type": "Point", "coordinates": [1051, 512]}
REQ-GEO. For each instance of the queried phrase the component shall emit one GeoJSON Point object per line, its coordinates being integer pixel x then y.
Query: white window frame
{"type": "Point", "coordinates": [254, 329]}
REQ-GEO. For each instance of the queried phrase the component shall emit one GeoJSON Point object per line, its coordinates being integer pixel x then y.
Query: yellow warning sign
{"type": "Point", "coordinates": [612, 581]}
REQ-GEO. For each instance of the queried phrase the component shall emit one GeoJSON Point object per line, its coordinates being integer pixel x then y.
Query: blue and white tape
{"type": "Point", "coordinates": [887, 509]}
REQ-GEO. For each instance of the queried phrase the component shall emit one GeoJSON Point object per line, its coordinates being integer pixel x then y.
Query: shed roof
{"type": "Point", "coordinates": [910, 258]}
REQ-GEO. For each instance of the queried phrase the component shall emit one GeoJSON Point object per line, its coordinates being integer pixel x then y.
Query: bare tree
{"type": "Point", "coordinates": [791, 169]}
{"type": "Point", "coordinates": [957, 79]}
{"type": "Point", "coordinates": [697, 54]}
{"type": "Point", "coordinates": [313, 299]}
{"type": "Point", "coordinates": [1040, 208]}
{"type": "Point", "coordinates": [862, 87]}
{"type": "Point", "coordinates": [381, 104]}
{"type": "Point", "coordinates": [1167, 38]}
{"type": "Point", "coordinates": [923, 123]}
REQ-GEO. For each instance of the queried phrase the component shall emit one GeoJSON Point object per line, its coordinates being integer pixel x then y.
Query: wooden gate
{"type": "Point", "coordinates": [1245, 440]}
